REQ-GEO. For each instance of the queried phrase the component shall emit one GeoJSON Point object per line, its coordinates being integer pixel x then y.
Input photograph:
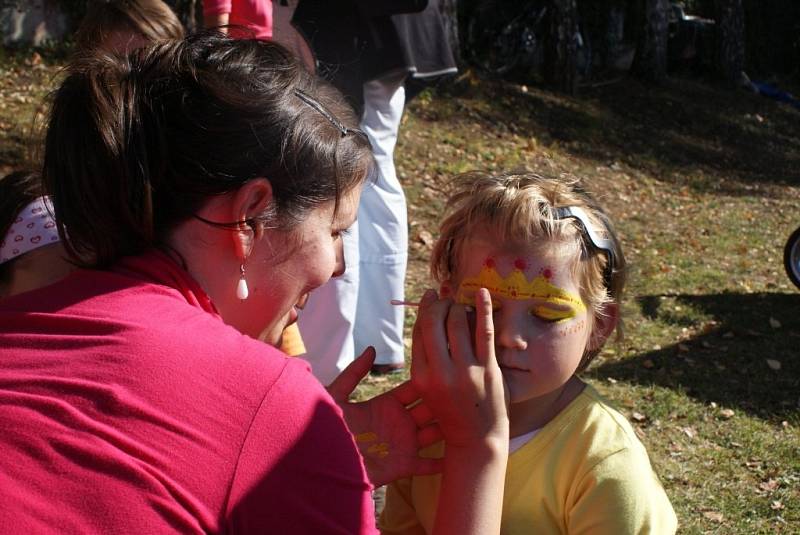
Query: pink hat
{"type": "Point", "coordinates": [34, 227]}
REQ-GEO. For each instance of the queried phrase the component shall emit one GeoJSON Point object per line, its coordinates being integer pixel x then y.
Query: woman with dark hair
{"type": "Point", "coordinates": [204, 185]}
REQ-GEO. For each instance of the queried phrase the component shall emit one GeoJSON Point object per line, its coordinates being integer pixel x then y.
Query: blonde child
{"type": "Point", "coordinates": [554, 267]}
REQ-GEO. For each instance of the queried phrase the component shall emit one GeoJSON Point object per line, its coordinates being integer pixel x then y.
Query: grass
{"type": "Point", "coordinates": [704, 186]}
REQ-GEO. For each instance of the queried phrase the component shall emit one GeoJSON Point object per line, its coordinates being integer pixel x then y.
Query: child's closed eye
{"type": "Point", "coordinates": [552, 313]}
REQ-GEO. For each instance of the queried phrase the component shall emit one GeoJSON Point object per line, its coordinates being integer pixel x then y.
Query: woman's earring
{"type": "Point", "coordinates": [241, 289]}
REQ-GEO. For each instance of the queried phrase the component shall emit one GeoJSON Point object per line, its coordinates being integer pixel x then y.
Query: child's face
{"type": "Point", "coordinates": [541, 323]}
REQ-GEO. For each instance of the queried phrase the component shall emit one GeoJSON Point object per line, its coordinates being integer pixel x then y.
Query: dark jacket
{"type": "Point", "coordinates": [356, 41]}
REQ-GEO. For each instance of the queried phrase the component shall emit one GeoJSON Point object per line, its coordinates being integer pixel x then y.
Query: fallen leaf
{"type": "Point", "coordinates": [728, 334]}
{"type": "Point", "coordinates": [638, 417]}
{"type": "Point", "coordinates": [775, 324]}
{"type": "Point", "coordinates": [726, 413]}
{"type": "Point", "coordinates": [774, 364]}
{"type": "Point", "coordinates": [689, 431]}
{"type": "Point", "coordinates": [713, 516]}
{"type": "Point", "coordinates": [425, 237]}
{"type": "Point", "coordinates": [612, 380]}
{"type": "Point", "coordinates": [769, 485]}
{"type": "Point", "coordinates": [776, 505]}
{"type": "Point", "coordinates": [683, 348]}
{"type": "Point", "coordinates": [649, 364]}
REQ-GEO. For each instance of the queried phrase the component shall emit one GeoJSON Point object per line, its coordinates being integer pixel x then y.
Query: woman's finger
{"type": "Point", "coordinates": [405, 393]}
{"type": "Point", "coordinates": [419, 360]}
{"type": "Point", "coordinates": [484, 327]}
{"type": "Point", "coordinates": [459, 337]}
{"type": "Point", "coordinates": [430, 434]}
{"type": "Point", "coordinates": [425, 467]}
{"type": "Point", "coordinates": [434, 337]}
{"type": "Point", "coordinates": [347, 381]}
{"type": "Point", "coordinates": [421, 414]}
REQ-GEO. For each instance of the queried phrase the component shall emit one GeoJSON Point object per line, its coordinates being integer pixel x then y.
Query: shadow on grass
{"type": "Point", "coordinates": [727, 363]}
{"type": "Point", "coordinates": [668, 130]}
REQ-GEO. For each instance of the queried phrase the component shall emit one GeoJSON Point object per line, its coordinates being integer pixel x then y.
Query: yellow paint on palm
{"type": "Point", "coordinates": [369, 436]}
{"type": "Point", "coordinates": [381, 449]}
{"type": "Point", "coordinates": [558, 303]}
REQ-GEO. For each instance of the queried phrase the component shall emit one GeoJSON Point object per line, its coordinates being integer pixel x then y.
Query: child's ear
{"type": "Point", "coordinates": [605, 321]}
{"type": "Point", "coordinates": [445, 289]}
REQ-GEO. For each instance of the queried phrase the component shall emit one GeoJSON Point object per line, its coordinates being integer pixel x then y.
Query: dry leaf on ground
{"type": "Point", "coordinates": [774, 364]}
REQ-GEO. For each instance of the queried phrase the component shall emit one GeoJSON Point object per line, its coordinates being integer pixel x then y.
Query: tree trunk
{"type": "Point", "coordinates": [449, 9]}
{"type": "Point", "coordinates": [561, 47]}
{"type": "Point", "coordinates": [730, 40]}
{"type": "Point", "coordinates": [650, 62]}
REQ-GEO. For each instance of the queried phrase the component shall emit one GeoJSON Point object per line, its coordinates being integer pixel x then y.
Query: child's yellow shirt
{"type": "Point", "coordinates": [584, 472]}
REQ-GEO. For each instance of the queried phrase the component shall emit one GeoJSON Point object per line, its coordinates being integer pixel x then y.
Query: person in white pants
{"type": "Point", "coordinates": [367, 49]}
{"type": "Point", "coordinates": [352, 312]}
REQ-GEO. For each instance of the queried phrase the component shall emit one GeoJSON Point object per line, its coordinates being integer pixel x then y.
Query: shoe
{"type": "Point", "coordinates": [386, 369]}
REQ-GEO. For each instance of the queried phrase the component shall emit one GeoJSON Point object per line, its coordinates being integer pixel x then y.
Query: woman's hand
{"type": "Point", "coordinates": [388, 434]}
{"type": "Point", "coordinates": [459, 378]}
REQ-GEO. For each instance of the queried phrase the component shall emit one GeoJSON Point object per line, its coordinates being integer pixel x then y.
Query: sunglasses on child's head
{"type": "Point", "coordinates": [597, 238]}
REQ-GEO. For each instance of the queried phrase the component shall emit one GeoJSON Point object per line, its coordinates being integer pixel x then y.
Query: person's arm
{"type": "Point", "coordinates": [298, 470]}
{"type": "Point", "coordinates": [463, 386]}
{"type": "Point", "coordinates": [216, 14]}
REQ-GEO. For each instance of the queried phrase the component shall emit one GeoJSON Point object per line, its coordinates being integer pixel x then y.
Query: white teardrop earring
{"type": "Point", "coordinates": [242, 291]}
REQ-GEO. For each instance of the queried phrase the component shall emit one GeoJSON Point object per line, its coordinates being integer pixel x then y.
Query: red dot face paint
{"type": "Point", "coordinates": [520, 264]}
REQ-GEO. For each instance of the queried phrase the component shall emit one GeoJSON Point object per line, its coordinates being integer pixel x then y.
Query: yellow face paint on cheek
{"type": "Point", "coordinates": [558, 304]}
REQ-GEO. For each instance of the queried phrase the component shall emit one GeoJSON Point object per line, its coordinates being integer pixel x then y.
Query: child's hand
{"type": "Point", "coordinates": [459, 378]}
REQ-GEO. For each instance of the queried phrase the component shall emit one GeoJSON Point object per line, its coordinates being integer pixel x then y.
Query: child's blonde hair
{"type": "Point", "coordinates": [524, 208]}
{"type": "Point", "coordinates": [151, 19]}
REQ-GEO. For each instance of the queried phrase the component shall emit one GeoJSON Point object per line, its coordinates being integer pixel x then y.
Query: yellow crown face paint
{"type": "Point", "coordinates": [557, 303]}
